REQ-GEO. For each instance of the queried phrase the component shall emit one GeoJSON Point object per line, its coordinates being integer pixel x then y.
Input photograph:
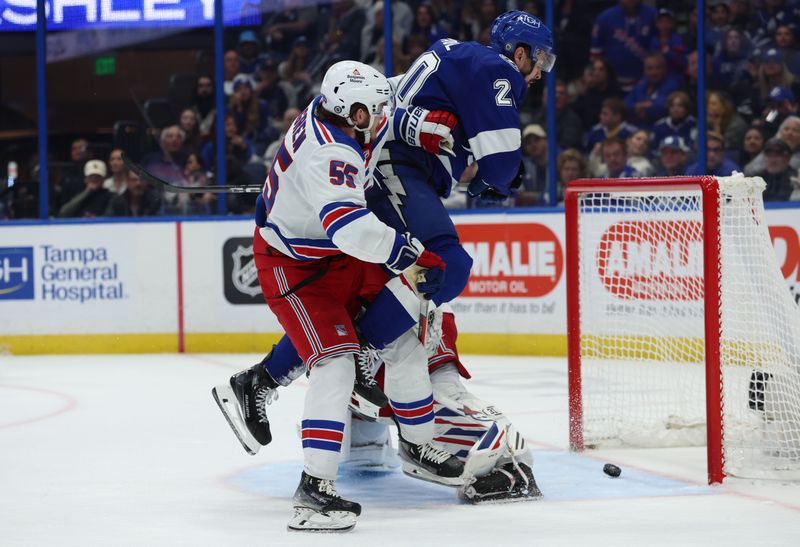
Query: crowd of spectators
{"type": "Point", "coordinates": [625, 98]}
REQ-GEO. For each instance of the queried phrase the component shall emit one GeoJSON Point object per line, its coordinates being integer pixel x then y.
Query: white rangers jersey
{"type": "Point", "coordinates": [314, 193]}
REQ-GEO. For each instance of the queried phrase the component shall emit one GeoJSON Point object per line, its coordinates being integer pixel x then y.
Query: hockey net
{"type": "Point", "coordinates": [682, 330]}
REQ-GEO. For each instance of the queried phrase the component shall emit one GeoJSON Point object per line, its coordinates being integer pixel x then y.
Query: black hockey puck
{"type": "Point", "coordinates": [612, 470]}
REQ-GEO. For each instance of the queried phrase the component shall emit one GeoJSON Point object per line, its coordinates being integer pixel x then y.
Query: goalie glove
{"type": "Point", "coordinates": [430, 130]}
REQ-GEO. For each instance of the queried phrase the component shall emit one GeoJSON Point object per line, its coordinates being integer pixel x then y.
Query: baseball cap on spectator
{"type": "Point", "coordinates": [242, 79]}
{"type": "Point", "coordinates": [268, 62]}
{"type": "Point", "coordinates": [94, 167]}
{"type": "Point", "coordinates": [300, 41]}
{"type": "Point", "coordinates": [664, 12]}
{"type": "Point", "coordinates": [248, 36]}
{"type": "Point", "coordinates": [675, 142]}
{"type": "Point", "coordinates": [781, 93]}
{"type": "Point", "coordinates": [772, 55]}
{"type": "Point", "coordinates": [534, 129]}
{"type": "Point", "coordinates": [778, 146]}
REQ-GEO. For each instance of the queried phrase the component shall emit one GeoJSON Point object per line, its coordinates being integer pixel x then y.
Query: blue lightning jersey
{"type": "Point", "coordinates": [484, 90]}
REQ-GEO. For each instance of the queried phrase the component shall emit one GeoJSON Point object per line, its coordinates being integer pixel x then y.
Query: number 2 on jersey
{"type": "Point", "coordinates": [342, 173]}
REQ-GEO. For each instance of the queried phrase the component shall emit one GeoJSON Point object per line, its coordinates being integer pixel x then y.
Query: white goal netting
{"type": "Point", "coordinates": [642, 343]}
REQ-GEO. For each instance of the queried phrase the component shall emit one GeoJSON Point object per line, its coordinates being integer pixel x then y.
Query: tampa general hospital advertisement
{"type": "Point", "coordinates": [190, 285]}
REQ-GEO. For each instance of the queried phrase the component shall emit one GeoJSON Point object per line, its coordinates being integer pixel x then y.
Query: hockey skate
{"type": "Point", "coordinates": [511, 482]}
{"type": "Point", "coordinates": [318, 507]}
{"type": "Point", "coordinates": [243, 402]}
{"type": "Point", "coordinates": [367, 398]}
{"type": "Point", "coordinates": [426, 462]}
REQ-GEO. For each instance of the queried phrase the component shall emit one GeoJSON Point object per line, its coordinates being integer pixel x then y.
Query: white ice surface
{"type": "Point", "coordinates": [132, 451]}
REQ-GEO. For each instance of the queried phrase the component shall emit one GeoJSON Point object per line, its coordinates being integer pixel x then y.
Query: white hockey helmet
{"type": "Point", "coordinates": [349, 82]}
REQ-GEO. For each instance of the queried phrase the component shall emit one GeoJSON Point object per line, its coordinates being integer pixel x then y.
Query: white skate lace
{"type": "Point", "coordinates": [327, 487]}
{"type": "Point", "coordinates": [436, 455]}
{"type": "Point", "coordinates": [265, 396]}
{"type": "Point", "coordinates": [366, 359]}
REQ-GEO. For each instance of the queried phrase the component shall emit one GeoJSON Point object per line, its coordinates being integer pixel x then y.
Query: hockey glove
{"type": "Point", "coordinates": [430, 280]}
{"type": "Point", "coordinates": [405, 253]}
{"type": "Point", "coordinates": [430, 130]}
{"type": "Point", "coordinates": [479, 189]}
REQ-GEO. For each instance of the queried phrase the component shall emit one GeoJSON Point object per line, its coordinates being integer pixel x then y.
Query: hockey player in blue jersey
{"type": "Point", "coordinates": [483, 87]}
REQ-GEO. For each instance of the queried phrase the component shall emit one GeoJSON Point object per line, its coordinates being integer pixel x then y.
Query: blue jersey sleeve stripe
{"type": "Point", "coordinates": [344, 220]}
{"type": "Point", "coordinates": [335, 205]}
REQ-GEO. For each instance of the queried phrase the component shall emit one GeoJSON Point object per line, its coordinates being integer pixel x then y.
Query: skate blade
{"type": "Point", "coordinates": [499, 499]}
{"type": "Point", "coordinates": [363, 408]}
{"type": "Point", "coordinates": [412, 470]}
{"type": "Point", "coordinates": [309, 520]}
{"type": "Point", "coordinates": [227, 403]}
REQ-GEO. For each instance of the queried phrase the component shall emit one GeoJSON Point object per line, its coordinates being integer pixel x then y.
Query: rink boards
{"type": "Point", "coordinates": [190, 284]}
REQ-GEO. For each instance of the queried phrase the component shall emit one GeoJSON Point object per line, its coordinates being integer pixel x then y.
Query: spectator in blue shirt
{"type": "Point", "coordinates": [615, 158]}
{"type": "Point", "coordinates": [678, 122]}
{"type": "Point", "coordinates": [612, 124]}
{"type": "Point", "coordinates": [248, 52]}
{"type": "Point", "coordinates": [718, 23]}
{"type": "Point", "coordinates": [672, 157]}
{"type": "Point", "coordinates": [251, 113]}
{"type": "Point", "coordinates": [784, 41]}
{"type": "Point", "coordinates": [730, 62]}
{"type": "Point", "coordinates": [647, 101]}
{"type": "Point", "coordinates": [425, 24]}
{"type": "Point", "coordinates": [717, 164]}
{"type": "Point", "coordinates": [668, 42]}
{"type": "Point", "coordinates": [622, 34]}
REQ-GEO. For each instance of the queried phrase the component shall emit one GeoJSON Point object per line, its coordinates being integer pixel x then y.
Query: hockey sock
{"type": "Point", "coordinates": [283, 363]}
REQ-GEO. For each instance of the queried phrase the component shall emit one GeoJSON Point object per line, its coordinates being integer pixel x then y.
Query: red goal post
{"type": "Point", "coordinates": [667, 345]}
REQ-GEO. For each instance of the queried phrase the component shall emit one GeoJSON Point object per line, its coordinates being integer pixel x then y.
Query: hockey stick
{"type": "Point", "coordinates": [169, 187]}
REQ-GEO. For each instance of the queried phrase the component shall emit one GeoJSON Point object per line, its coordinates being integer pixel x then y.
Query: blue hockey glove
{"type": "Point", "coordinates": [405, 252]}
{"type": "Point", "coordinates": [479, 189]}
{"type": "Point", "coordinates": [430, 282]}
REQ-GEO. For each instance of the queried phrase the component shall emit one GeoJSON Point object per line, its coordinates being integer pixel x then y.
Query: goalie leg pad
{"type": "Point", "coordinates": [511, 482]}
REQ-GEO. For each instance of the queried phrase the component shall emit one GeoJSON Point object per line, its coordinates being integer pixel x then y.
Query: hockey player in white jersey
{"type": "Point", "coordinates": [320, 253]}
{"type": "Point", "coordinates": [483, 89]}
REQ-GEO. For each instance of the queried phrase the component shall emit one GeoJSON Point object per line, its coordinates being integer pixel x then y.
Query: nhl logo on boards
{"type": "Point", "coordinates": [240, 274]}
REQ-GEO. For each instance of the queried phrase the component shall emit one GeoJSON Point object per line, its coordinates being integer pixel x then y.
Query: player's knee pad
{"type": "Point", "coordinates": [458, 265]}
{"type": "Point", "coordinates": [394, 311]}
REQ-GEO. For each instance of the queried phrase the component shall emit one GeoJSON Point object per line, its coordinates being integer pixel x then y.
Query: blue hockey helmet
{"type": "Point", "coordinates": [514, 28]}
